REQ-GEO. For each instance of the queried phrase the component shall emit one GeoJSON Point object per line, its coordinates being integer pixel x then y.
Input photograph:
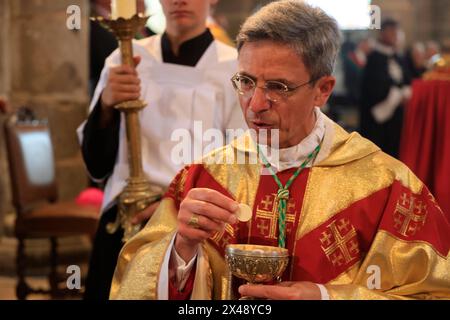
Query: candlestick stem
{"type": "Point", "coordinates": [137, 195]}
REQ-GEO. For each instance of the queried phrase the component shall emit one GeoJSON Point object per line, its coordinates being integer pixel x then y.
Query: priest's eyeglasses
{"type": "Point", "coordinates": [274, 90]}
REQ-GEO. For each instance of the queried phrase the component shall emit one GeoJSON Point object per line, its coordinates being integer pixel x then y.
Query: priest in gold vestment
{"type": "Point", "coordinates": [357, 223]}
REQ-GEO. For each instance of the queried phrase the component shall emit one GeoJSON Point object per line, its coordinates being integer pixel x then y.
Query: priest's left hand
{"type": "Point", "coordinates": [288, 290]}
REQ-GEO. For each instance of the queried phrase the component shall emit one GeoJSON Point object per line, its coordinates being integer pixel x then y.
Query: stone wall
{"type": "Point", "coordinates": [422, 20]}
{"type": "Point", "coordinates": [441, 13]}
{"type": "Point", "coordinates": [47, 70]}
{"type": "Point", "coordinates": [4, 91]}
{"type": "Point", "coordinates": [4, 32]}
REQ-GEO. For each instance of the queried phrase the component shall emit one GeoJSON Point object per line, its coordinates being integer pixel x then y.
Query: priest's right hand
{"type": "Point", "coordinates": [123, 84]}
{"type": "Point", "coordinates": [202, 213]}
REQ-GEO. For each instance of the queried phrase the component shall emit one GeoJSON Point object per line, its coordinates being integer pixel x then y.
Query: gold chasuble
{"type": "Point", "coordinates": [356, 216]}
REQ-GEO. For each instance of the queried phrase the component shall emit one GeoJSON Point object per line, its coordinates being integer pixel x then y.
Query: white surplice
{"type": "Point", "coordinates": [176, 96]}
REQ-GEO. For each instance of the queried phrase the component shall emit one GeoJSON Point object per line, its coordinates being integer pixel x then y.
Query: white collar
{"type": "Point", "coordinates": [384, 49]}
{"type": "Point", "coordinates": [294, 156]}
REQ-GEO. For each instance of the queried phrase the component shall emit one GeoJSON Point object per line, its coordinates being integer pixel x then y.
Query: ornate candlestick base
{"type": "Point", "coordinates": [134, 198]}
{"type": "Point", "coordinates": [137, 195]}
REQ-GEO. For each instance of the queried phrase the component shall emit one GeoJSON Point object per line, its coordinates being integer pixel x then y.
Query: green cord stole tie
{"type": "Point", "coordinates": [283, 191]}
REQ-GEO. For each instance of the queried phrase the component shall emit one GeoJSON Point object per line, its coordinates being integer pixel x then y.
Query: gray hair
{"type": "Point", "coordinates": [313, 34]}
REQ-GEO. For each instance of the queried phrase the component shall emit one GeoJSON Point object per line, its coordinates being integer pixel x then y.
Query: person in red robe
{"type": "Point", "coordinates": [357, 223]}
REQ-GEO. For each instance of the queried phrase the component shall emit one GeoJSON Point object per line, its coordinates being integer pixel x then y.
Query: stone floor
{"type": "Point", "coordinates": [71, 251]}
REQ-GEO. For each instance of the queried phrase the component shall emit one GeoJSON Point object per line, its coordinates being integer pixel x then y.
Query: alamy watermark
{"type": "Point", "coordinates": [73, 21]}
{"type": "Point", "coordinates": [374, 280]}
{"type": "Point", "coordinates": [73, 282]}
{"type": "Point", "coordinates": [193, 146]}
{"type": "Point", "coordinates": [375, 17]}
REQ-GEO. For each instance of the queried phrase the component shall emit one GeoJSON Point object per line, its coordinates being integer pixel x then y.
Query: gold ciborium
{"type": "Point", "coordinates": [137, 195]}
{"type": "Point", "coordinates": [256, 264]}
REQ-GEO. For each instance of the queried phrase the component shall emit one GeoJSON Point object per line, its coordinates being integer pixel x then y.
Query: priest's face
{"type": "Point", "coordinates": [267, 64]}
{"type": "Point", "coordinates": [186, 15]}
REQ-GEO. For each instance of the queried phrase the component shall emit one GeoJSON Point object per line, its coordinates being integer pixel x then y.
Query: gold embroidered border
{"type": "Point", "coordinates": [241, 180]}
{"type": "Point", "coordinates": [137, 269]}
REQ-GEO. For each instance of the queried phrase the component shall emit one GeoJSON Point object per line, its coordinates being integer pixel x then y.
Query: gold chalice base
{"type": "Point", "coordinates": [256, 264]}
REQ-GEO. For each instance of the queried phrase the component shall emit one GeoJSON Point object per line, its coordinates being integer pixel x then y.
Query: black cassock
{"type": "Point", "coordinates": [377, 82]}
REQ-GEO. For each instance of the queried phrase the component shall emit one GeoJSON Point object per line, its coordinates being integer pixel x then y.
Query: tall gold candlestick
{"type": "Point", "coordinates": [137, 195]}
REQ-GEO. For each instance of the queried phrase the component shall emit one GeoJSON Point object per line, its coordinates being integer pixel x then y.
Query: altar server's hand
{"type": "Point", "coordinates": [123, 84]}
{"type": "Point", "coordinates": [145, 214]}
{"type": "Point", "coordinates": [202, 212]}
{"type": "Point", "coordinates": [288, 290]}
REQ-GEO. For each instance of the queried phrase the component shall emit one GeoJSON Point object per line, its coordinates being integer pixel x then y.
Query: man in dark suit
{"type": "Point", "coordinates": [384, 91]}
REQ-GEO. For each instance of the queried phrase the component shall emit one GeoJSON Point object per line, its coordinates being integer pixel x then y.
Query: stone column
{"type": "Point", "coordinates": [4, 91]}
{"type": "Point", "coordinates": [48, 71]}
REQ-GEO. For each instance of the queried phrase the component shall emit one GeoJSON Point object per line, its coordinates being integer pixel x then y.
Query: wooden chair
{"type": "Point", "coordinates": [35, 198]}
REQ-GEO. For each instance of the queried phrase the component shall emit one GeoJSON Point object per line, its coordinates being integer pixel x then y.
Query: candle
{"type": "Point", "coordinates": [123, 9]}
